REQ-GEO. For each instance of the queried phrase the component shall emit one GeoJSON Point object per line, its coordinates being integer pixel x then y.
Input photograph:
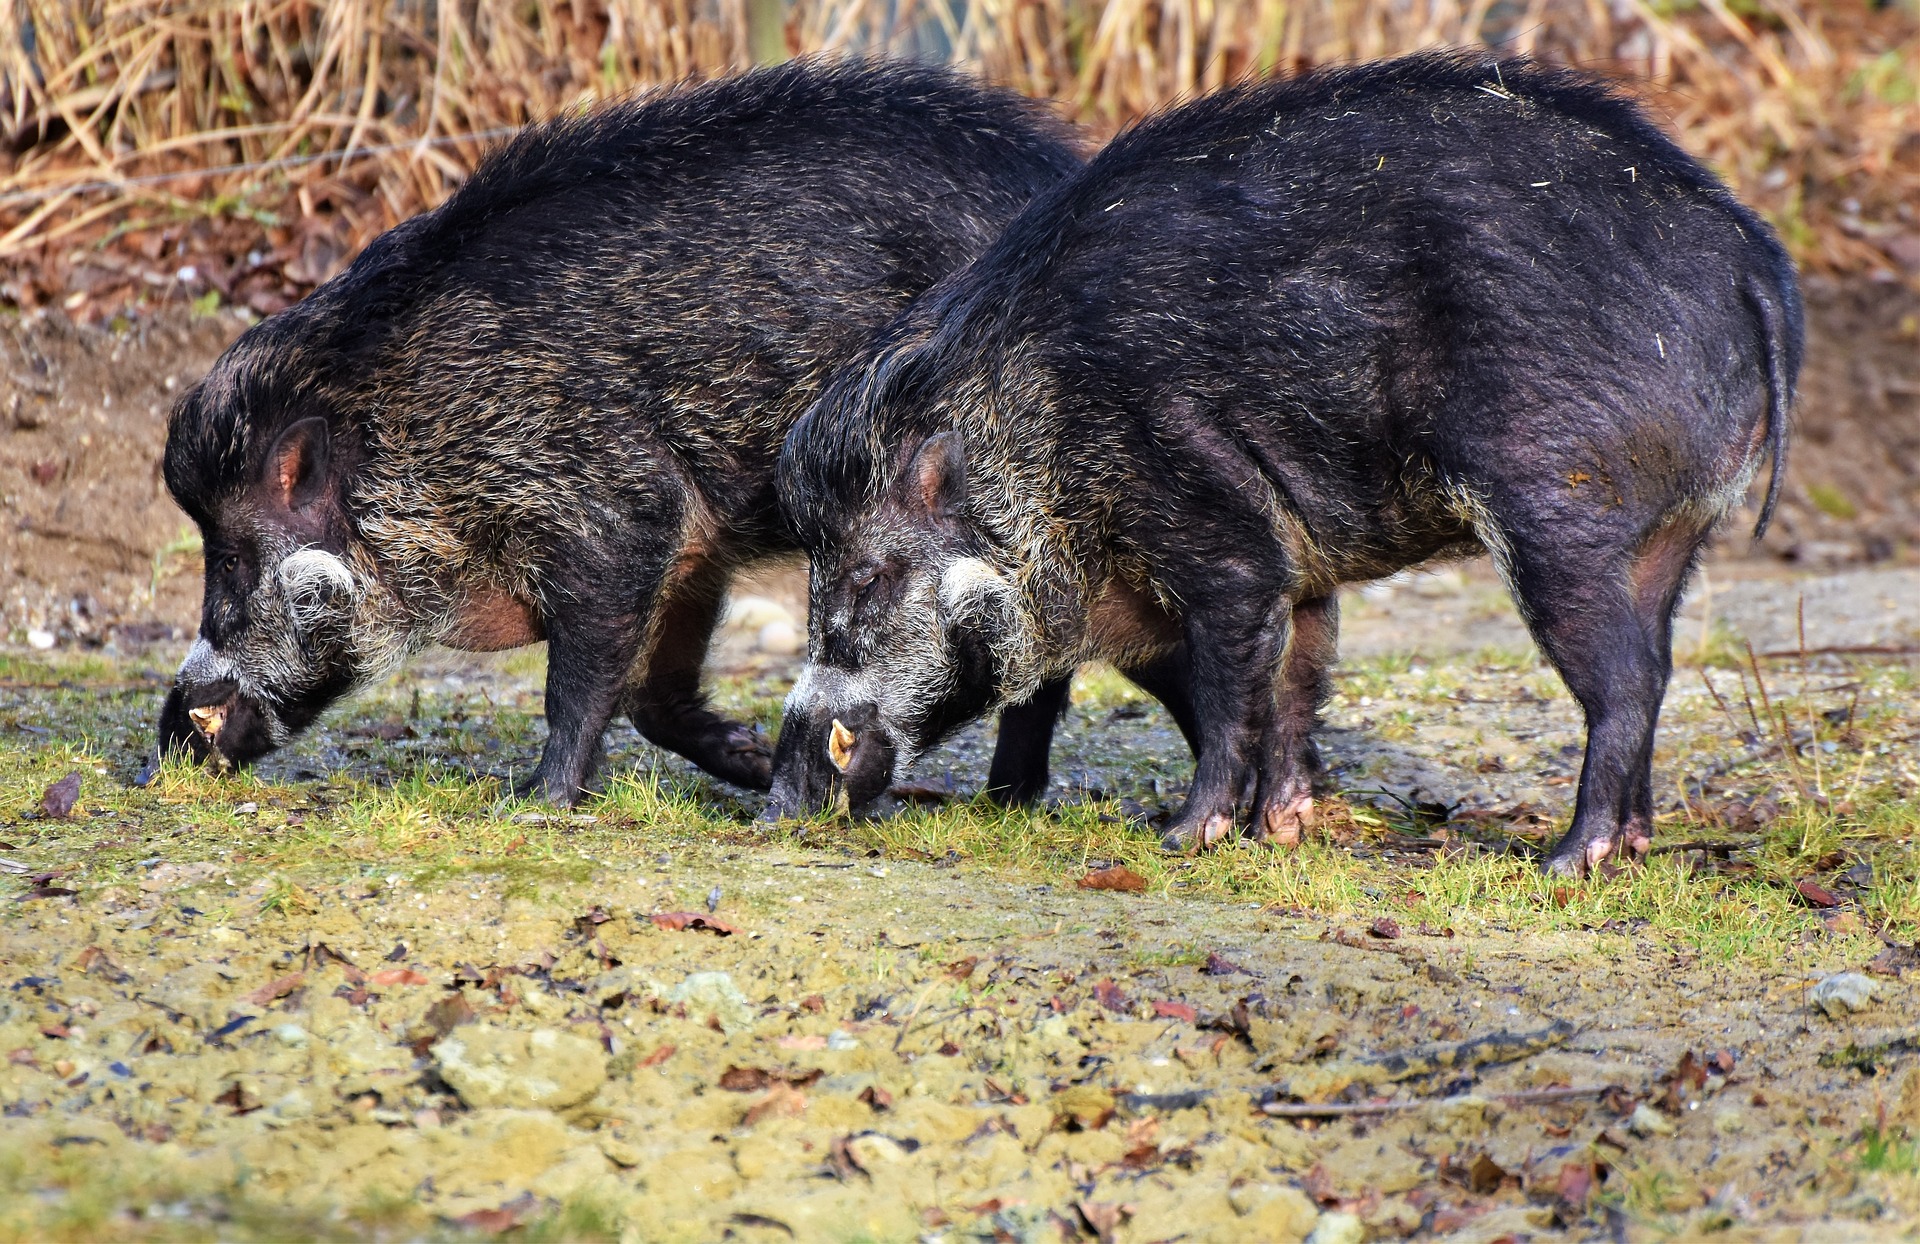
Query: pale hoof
{"type": "Point", "coordinates": [1285, 825]}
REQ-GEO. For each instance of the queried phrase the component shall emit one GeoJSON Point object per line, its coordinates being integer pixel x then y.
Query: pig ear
{"type": "Point", "coordinates": [297, 464]}
{"type": "Point", "coordinates": [937, 478]}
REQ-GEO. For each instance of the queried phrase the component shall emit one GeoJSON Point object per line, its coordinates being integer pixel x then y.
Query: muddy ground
{"type": "Point", "coordinates": [355, 994]}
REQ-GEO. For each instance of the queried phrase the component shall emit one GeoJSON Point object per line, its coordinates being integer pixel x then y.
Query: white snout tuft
{"type": "Point", "coordinates": [311, 577]}
{"type": "Point", "coordinates": [968, 585]}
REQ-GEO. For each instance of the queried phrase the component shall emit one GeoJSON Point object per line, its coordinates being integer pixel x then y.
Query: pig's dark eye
{"type": "Point", "coordinates": [872, 587]}
{"type": "Point", "coordinates": [230, 564]}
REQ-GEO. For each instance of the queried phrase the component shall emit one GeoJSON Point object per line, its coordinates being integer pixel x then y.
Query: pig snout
{"type": "Point", "coordinates": [829, 761]}
{"type": "Point", "coordinates": [213, 723]}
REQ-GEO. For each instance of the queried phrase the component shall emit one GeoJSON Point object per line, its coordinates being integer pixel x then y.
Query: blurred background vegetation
{"type": "Point", "coordinates": [275, 137]}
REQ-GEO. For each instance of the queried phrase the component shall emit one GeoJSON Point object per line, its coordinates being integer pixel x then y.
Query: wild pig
{"type": "Point", "coordinates": [1288, 337]}
{"type": "Point", "coordinates": [550, 408]}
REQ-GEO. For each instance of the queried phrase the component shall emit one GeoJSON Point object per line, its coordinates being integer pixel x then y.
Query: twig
{"type": "Point", "coordinates": [1843, 650]}
{"type": "Point", "coordinates": [1711, 848]}
{"type": "Point", "coordinates": [1342, 1110]}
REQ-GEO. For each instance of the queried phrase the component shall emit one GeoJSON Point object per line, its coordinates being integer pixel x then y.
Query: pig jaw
{"type": "Point", "coordinates": [216, 714]}
{"type": "Point", "coordinates": [317, 626]}
{"type": "Point", "coordinates": [835, 751]}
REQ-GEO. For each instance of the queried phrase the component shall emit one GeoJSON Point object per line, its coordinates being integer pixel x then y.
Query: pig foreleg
{"type": "Point", "coordinates": [1283, 799]}
{"type": "Point", "coordinates": [1235, 648]}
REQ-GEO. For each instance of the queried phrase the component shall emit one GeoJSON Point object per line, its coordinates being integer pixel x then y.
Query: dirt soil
{"type": "Point", "coordinates": [892, 1051]}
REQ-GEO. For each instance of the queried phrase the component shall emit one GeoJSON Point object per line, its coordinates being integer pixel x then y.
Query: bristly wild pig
{"type": "Point", "coordinates": [551, 406]}
{"type": "Point", "coordinates": [1288, 337]}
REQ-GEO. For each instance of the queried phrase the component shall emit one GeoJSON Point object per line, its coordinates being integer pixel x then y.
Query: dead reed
{"type": "Point", "coordinates": [335, 120]}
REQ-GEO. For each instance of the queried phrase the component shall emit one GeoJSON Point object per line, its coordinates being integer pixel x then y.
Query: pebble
{"type": "Point", "coordinates": [753, 613]}
{"type": "Point", "coordinates": [42, 640]}
{"type": "Point", "coordinates": [1338, 1227]}
{"type": "Point", "coordinates": [1841, 995]}
{"type": "Point", "coordinates": [293, 1036]}
{"type": "Point", "coordinates": [1647, 1121]}
{"type": "Point", "coordinates": [713, 995]}
{"type": "Point", "coordinates": [782, 639]}
{"type": "Point", "coordinates": [540, 1070]}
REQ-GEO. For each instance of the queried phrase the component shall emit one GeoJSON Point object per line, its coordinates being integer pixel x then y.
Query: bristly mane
{"type": "Point", "coordinates": [617, 153]}
{"type": "Point", "coordinates": [852, 433]}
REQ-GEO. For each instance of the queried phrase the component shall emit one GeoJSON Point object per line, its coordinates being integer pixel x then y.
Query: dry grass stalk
{"type": "Point", "coordinates": [1812, 109]}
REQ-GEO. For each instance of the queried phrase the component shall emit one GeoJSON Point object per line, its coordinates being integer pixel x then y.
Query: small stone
{"type": "Point", "coordinates": [1273, 1211]}
{"type": "Point", "coordinates": [840, 1039]}
{"type": "Point", "coordinates": [1647, 1121]}
{"type": "Point", "coordinates": [293, 1036]}
{"type": "Point", "coordinates": [1338, 1227]}
{"type": "Point", "coordinates": [539, 1070]}
{"type": "Point", "coordinates": [620, 1153]}
{"type": "Point", "coordinates": [1841, 995]}
{"type": "Point", "coordinates": [295, 1105]}
{"type": "Point", "coordinates": [756, 613]}
{"type": "Point", "coordinates": [782, 639]}
{"type": "Point", "coordinates": [713, 995]}
{"type": "Point", "coordinates": [40, 639]}
{"type": "Point", "coordinates": [873, 1150]}
{"type": "Point", "coordinates": [1729, 1122]}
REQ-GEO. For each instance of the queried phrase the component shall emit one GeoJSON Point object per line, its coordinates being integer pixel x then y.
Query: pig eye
{"type": "Point", "coordinates": [229, 563]}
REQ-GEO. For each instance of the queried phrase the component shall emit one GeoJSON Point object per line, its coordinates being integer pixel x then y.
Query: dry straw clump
{"type": "Point", "coordinates": [139, 133]}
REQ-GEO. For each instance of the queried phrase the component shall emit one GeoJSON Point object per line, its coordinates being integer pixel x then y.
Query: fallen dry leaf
{"type": "Point", "coordinates": [1219, 965]}
{"type": "Point", "coordinates": [961, 969]}
{"type": "Point", "coordinates": [808, 1041]}
{"type": "Point", "coordinates": [505, 1218]}
{"type": "Point", "coordinates": [781, 1100]}
{"type": "Point", "coordinates": [449, 1013]}
{"type": "Point", "coordinates": [1119, 877]}
{"type": "Point", "coordinates": [756, 1079]}
{"type": "Point", "coordinates": [680, 921]}
{"type": "Point", "coordinates": [1103, 1218]}
{"type": "Point", "coordinates": [1689, 1077]}
{"type": "Point", "coordinates": [659, 1056]}
{"type": "Point", "coordinates": [277, 989]}
{"type": "Point", "coordinates": [398, 976]}
{"type": "Point", "coordinates": [61, 796]}
{"type": "Point", "coordinates": [1386, 927]}
{"type": "Point", "coordinates": [1843, 923]}
{"type": "Point", "coordinates": [1815, 894]}
{"type": "Point", "coordinates": [876, 1098]}
{"type": "Point", "coordinates": [1174, 1010]}
{"type": "Point", "coordinates": [1109, 995]}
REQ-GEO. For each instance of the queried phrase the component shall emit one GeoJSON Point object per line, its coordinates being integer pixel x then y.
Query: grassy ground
{"type": "Point", "coordinates": [377, 868]}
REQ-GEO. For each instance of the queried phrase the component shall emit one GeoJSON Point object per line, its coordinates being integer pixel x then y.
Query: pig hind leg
{"type": "Point", "coordinates": [1601, 611]}
{"type": "Point", "coordinates": [668, 706]}
{"type": "Point", "coordinates": [1283, 799]}
{"type": "Point", "coordinates": [1019, 772]}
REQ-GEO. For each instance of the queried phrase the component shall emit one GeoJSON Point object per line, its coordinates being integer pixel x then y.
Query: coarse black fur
{"type": "Point", "coordinates": [551, 406]}
{"type": "Point", "coordinates": [1288, 337]}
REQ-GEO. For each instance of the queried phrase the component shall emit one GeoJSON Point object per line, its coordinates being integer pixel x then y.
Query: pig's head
{"type": "Point", "coordinates": [291, 619]}
{"type": "Point", "coordinates": [913, 631]}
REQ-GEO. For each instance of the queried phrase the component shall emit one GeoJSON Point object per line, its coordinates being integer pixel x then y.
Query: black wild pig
{"type": "Point", "coordinates": [551, 407]}
{"type": "Point", "coordinates": [1288, 337]}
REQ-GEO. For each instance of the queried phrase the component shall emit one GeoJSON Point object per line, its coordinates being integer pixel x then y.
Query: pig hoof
{"type": "Point", "coordinates": [1283, 825]}
{"type": "Point", "coordinates": [1186, 838]}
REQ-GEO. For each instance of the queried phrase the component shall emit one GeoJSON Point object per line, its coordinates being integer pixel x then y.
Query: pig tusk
{"type": "Point", "coordinates": [840, 746]}
{"type": "Point", "coordinates": [208, 719]}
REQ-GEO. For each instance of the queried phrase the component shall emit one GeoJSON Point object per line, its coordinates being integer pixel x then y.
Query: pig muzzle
{"type": "Point", "coordinates": [829, 762]}
{"type": "Point", "coordinates": [215, 724]}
